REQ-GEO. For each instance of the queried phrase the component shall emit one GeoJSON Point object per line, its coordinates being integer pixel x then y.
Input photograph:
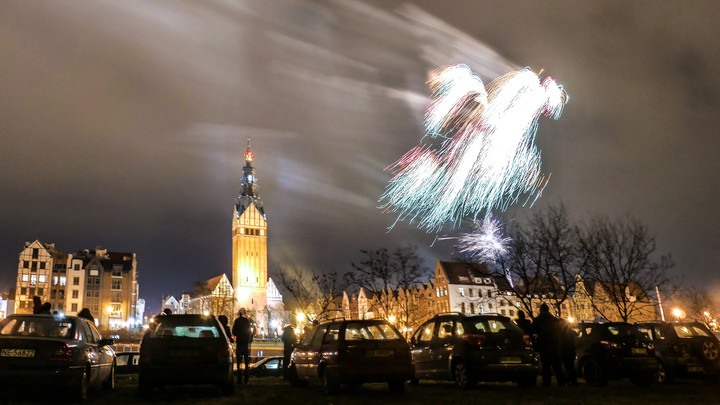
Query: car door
{"type": "Point", "coordinates": [441, 346]}
{"type": "Point", "coordinates": [106, 353]}
{"type": "Point", "coordinates": [93, 356]}
{"type": "Point", "coordinates": [421, 349]}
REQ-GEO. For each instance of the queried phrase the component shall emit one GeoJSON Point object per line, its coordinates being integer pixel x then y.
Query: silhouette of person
{"type": "Point", "coordinates": [523, 322]}
{"type": "Point", "coordinates": [289, 339]}
{"type": "Point", "coordinates": [226, 325]}
{"type": "Point", "coordinates": [243, 338]}
{"type": "Point", "coordinates": [46, 309]}
{"type": "Point", "coordinates": [545, 327]}
{"type": "Point", "coordinates": [37, 305]}
{"type": "Point", "coordinates": [85, 313]}
{"type": "Point", "coordinates": [567, 351]}
{"type": "Point", "coordinates": [167, 311]}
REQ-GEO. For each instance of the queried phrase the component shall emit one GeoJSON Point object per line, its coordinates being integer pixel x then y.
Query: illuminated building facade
{"type": "Point", "coordinates": [249, 253]}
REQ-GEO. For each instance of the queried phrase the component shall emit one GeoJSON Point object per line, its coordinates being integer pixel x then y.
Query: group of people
{"type": "Point", "coordinates": [554, 340]}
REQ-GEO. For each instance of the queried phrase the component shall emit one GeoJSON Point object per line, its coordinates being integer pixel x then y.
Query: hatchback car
{"type": "Point", "coordinates": [186, 349]}
{"type": "Point", "coordinates": [683, 349]}
{"type": "Point", "coordinates": [61, 351]}
{"type": "Point", "coordinates": [352, 352]}
{"type": "Point", "coordinates": [614, 350]}
{"type": "Point", "coordinates": [471, 348]}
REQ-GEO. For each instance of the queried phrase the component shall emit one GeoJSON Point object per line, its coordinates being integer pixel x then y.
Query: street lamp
{"type": "Point", "coordinates": [677, 313]}
{"type": "Point", "coordinates": [391, 318]}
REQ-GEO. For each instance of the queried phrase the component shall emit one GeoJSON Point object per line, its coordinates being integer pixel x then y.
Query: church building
{"type": "Point", "coordinates": [253, 289]}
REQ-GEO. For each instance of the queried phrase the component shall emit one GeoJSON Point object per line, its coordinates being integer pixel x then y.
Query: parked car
{"type": "Point", "coordinates": [127, 362]}
{"type": "Point", "coordinates": [268, 367]}
{"type": "Point", "coordinates": [186, 349]}
{"type": "Point", "coordinates": [62, 351]}
{"type": "Point", "coordinates": [614, 350]}
{"type": "Point", "coordinates": [471, 348]}
{"type": "Point", "coordinates": [352, 352]}
{"type": "Point", "coordinates": [683, 349]}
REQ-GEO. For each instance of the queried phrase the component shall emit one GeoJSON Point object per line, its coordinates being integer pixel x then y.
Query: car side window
{"type": "Point", "coordinates": [332, 333]}
{"type": "Point", "coordinates": [659, 333]}
{"type": "Point", "coordinates": [318, 337]}
{"type": "Point", "coordinates": [459, 328]}
{"type": "Point", "coordinates": [273, 364]}
{"type": "Point", "coordinates": [89, 337]}
{"type": "Point", "coordinates": [646, 331]}
{"type": "Point", "coordinates": [82, 332]}
{"type": "Point", "coordinates": [426, 333]}
{"type": "Point", "coordinates": [445, 329]}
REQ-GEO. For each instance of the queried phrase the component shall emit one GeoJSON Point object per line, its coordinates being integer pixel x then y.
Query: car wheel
{"type": "Point", "coordinates": [331, 387]}
{"type": "Point", "coordinates": [461, 374]}
{"type": "Point", "coordinates": [109, 383]}
{"type": "Point", "coordinates": [593, 373]}
{"type": "Point", "coordinates": [527, 380]}
{"type": "Point", "coordinates": [295, 380]}
{"type": "Point", "coordinates": [396, 386]}
{"type": "Point", "coordinates": [663, 375]}
{"type": "Point", "coordinates": [709, 350]}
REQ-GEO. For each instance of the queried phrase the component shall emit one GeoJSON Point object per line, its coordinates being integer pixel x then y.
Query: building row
{"type": "Point", "coordinates": [105, 282]}
{"type": "Point", "coordinates": [471, 288]}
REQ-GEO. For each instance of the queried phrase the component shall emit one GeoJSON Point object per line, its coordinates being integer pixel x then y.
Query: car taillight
{"type": "Point", "coordinates": [474, 339]}
{"type": "Point", "coordinates": [62, 353]}
{"type": "Point", "coordinates": [527, 340]}
{"type": "Point", "coordinates": [609, 345]}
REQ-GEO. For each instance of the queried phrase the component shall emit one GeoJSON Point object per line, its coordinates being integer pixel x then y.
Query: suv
{"type": "Point", "coordinates": [683, 349]}
{"type": "Point", "coordinates": [470, 348]}
{"type": "Point", "coordinates": [614, 350]}
{"type": "Point", "coordinates": [186, 349]}
{"type": "Point", "coordinates": [354, 352]}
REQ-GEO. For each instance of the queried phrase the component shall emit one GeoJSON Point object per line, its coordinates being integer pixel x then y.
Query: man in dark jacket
{"type": "Point", "coordinates": [546, 329]}
{"type": "Point", "coordinates": [289, 339]}
{"type": "Point", "coordinates": [567, 351]}
{"type": "Point", "coordinates": [243, 337]}
{"type": "Point", "coordinates": [523, 322]}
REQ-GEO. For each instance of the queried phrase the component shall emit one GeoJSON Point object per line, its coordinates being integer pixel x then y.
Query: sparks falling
{"type": "Point", "coordinates": [486, 243]}
{"type": "Point", "coordinates": [487, 158]}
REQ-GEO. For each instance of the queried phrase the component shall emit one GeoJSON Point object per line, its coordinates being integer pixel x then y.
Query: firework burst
{"type": "Point", "coordinates": [487, 159]}
{"type": "Point", "coordinates": [486, 243]}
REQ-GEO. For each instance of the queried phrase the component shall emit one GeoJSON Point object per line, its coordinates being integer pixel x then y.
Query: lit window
{"type": "Point", "coordinates": [41, 278]}
{"type": "Point", "coordinates": [63, 280]}
{"type": "Point", "coordinates": [33, 279]}
{"type": "Point", "coordinates": [55, 280]}
{"type": "Point", "coordinates": [25, 278]}
{"type": "Point", "coordinates": [461, 290]}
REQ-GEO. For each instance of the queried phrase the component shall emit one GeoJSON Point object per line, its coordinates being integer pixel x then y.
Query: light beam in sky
{"type": "Point", "coordinates": [486, 158]}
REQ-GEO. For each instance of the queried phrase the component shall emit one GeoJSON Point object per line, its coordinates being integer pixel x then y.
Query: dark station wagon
{"type": "Point", "coordinates": [352, 352]}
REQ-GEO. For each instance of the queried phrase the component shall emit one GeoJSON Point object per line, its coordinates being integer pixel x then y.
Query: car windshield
{"type": "Point", "coordinates": [36, 326]}
{"type": "Point", "coordinates": [688, 331]}
{"type": "Point", "coordinates": [493, 326]}
{"type": "Point", "coordinates": [364, 331]}
{"type": "Point", "coordinates": [189, 327]}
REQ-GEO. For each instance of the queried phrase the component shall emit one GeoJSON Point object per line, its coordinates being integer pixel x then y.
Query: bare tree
{"type": "Point", "coordinates": [203, 296]}
{"type": "Point", "coordinates": [314, 293]}
{"type": "Point", "coordinates": [385, 274]}
{"type": "Point", "coordinates": [619, 258]}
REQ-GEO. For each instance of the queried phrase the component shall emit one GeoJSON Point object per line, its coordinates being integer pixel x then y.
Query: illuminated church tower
{"type": "Point", "coordinates": [249, 247]}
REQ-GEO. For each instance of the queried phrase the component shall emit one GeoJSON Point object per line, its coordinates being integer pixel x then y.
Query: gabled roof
{"type": "Point", "coordinates": [465, 273]}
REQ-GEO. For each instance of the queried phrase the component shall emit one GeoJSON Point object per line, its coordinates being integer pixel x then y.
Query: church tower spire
{"type": "Point", "coordinates": [249, 246]}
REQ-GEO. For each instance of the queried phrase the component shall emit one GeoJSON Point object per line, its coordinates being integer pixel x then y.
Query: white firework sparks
{"type": "Point", "coordinates": [487, 243]}
{"type": "Point", "coordinates": [488, 159]}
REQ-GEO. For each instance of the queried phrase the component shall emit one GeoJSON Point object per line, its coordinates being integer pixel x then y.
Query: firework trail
{"type": "Point", "coordinates": [487, 159]}
{"type": "Point", "coordinates": [486, 243]}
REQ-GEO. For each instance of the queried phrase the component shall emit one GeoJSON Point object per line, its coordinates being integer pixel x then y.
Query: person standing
{"type": "Point", "coordinates": [523, 322]}
{"type": "Point", "coordinates": [243, 337]}
{"type": "Point", "coordinates": [226, 326]}
{"type": "Point", "coordinates": [545, 327]}
{"type": "Point", "coordinates": [85, 313]}
{"type": "Point", "coordinates": [289, 339]}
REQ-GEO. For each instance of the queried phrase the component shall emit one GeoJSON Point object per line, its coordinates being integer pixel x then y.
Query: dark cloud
{"type": "Point", "coordinates": [123, 124]}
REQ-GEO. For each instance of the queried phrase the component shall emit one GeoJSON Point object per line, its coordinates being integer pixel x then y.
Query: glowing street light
{"type": "Point", "coordinates": [391, 318]}
{"type": "Point", "coordinates": [677, 313]}
{"type": "Point", "coordinates": [571, 319]}
{"type": "Point", "coordinates": [300, 316]}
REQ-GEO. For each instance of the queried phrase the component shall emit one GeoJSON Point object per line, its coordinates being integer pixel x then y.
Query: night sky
{"type": "Point", "coordinates": [123, 123]}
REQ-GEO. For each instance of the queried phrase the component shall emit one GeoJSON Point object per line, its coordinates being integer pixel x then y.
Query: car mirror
{"type": "Point", "coordinates": [105, 342]}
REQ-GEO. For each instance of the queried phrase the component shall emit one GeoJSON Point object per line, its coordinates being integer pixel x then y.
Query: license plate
{"type": "Point", "coordinates": [510, 360]}
{"type": "Point", "coordinates": [184, 352]}
{"type": "Point", "coordinates": [379, 353]}
{"type": "Point", "coordinates": [17, 353]}
{"type": "Point", "coordinates": [637, 350]}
